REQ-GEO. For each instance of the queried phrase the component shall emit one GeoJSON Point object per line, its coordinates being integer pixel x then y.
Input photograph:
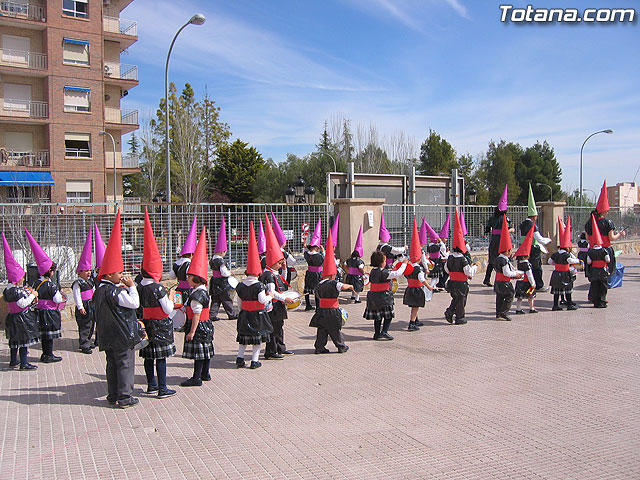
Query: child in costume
{"type": "Point", "coordinates": [583, 248]}
{"type": "Point", "coordinates": [414, 295]}
{"type": "Point", "coordinates": [198, 339]}
{"type": "Point", "coordinates": [380, 297]}
{"type": "Point", "coordinates": [328, 317]}
{"type": "Point", "coordinates": [181, 265]}
{"type": "Point", "coordinates": [254, 325]}
{"type": "Point", "coordinates": [49, 299]}
{"type": "Point", "coordinates": [275, 286]}
{"type": "Point", "coordinates": [83, 290]}
{"type": "Point", "coordinates": [355, 269]}
{"type": "Point", "coordinates": [21, 324]}
{"type": "Point", "coordinates": [504, 273]}
{"type": "Point", "coordinates": [314, 255]}
{"type": "Point", "coordinates": [598, 259]}
{"type": "Point", "coordinates": [538, 242]}
{"type": "Point", "coordinates": [391, 253]}
{"type": "Point", "coordinates": [562, 277]}
{"type": "Point", "coordinates": [288, 270]}
{"type": "Point", "coordinates": [437, 251]}
{"type": "Point", "coordinates": [526, 287]}
{"type": "Point", "coordinates": [494, 228]}
{"type": "Point", "coordinates": [444, 253]}
{"type": "Point", "coordinates": [460, 272]}
{"type": "Point", "coordinates": [118, 328]}
{"type": "Point", "coordinates": [156, 308]}
{"type": "Point", "coordinates": [219, 288]}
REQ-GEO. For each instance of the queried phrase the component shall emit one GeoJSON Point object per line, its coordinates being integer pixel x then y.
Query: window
{"type": "Point", "coordinates": [28, 194]}
{"type": "Point", "coordinates": [78, 191]}
{"type": "Point", "coordinates": [17, 96]}
{"type": "Point", "coordinates": [77, 145]}
{"type": "Point", "coordinates": [75, 8]}
{"type": "Point", "coordinates": [76, 99]}
{"type": "Point", "coordinates": [17, 7]}
{"type": "Point", "coordinates": [75, 51]}
{"type": "Point", "coordinates": [15, 50]}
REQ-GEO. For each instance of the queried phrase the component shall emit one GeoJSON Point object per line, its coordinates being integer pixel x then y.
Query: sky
{"type": "Point", "coordinates": [279, 69]}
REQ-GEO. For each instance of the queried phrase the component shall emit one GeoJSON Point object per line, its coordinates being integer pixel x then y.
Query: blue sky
{"type": "Point", "coordinates": [279, 69]}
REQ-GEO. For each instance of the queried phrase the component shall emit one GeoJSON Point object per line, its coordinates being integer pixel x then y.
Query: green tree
{"type": "Point", "coordinates": [501, 162]}
{"type": "Point", "coordinates": [538, 164]}
{"type": "Point", "coordinates": [437, 156]}
{"type": "Point", "coordinates": [235, 170]}
{"type": "Point", "coordinates": [134, 144]}
{"type": "Point", "coordinates": [372, 159]}
{"type": "Point", "coordinates": [215, 133]}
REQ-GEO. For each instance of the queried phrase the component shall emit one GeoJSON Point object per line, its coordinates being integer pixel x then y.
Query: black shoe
{"type": "Point", "coordinates": [344, 349]}
{"type": "Point", "coordinates": [16, 365]}
{"type": "Point", "coordinates": [376, 336]}
{"type": "Point", "coordinates": [385, 336]}
{"type": "Point", "coordinates": [448, 318]}
{"type": "Point", "coordinates": [233, 317]}
{"type": "Point", "coordinates": [166, 392]}
{"type": "Point", "coordinates": [287, 352]}
{"type": "Point", "coordinates": [50, 359]}
{"type": "Point", "coordinates": [413, 327]}
{"type": "Point", "coordinates": [112, 403]}
{"type": "Point", "coordinates": [460, 321]}
{"type": "Point", "coordinates": [255, 365]}
{"type": "Point", "coordinates": [129, 402]}
{"type": "Point", "coordinates": [28, 366]}
{"type": "Point", "coordinates": [151, 389]}
{"type": "Point", "coordinates": [519, 312]}
{"type": "Point", "coordinates": [503, 316]}
{"type": "Point", "coordinates": [240, 363]}
{"type": "Point", "coordinates": [205, 378]}
{"type": "Point", "coordinates": [86, 351]}
{"type": "Point", "coordinates": [358, 301]}
{"type": "Point", "coordinates": [573, 306]}
{"type": "Point", "coordinates": [419, 323]}
{"type": "Point", "coordinates": [556, 308]}
{"type": "Point", "coordinates": [533, 310]}
{"type": "Point", "coordinates": [192, 382]}
{"type": "Point", "coordinates": [562, 302]}
{"type": "Point", "coordinates": [487, 283]}
{"type": "Point", "coordinates": [275, 356]}
{"type": "Point", "coordinates": [308, 308]}
{"type": "Point", "coordinates": [324, 350]}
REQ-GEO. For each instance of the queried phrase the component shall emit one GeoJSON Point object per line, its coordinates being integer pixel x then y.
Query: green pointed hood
{"type": "Point", "coordinates": [532, 211]}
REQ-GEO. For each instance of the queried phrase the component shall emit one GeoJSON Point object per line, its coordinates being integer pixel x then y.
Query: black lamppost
{"type": "Point", "coordinates": [472, 193]}
{"type": "Point", "coordinates": [300, 192]}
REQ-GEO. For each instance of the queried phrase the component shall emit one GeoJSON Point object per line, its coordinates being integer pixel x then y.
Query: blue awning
{"type": "Point", "coordinates": [77, 89]}
{"type": "Point", "coordinates": [26, 178]}
{"type": "Point", "coordinates": [77, 42]}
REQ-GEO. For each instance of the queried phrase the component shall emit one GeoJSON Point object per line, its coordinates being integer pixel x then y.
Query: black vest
{"type": "Point", "coordinates": [118, 328]}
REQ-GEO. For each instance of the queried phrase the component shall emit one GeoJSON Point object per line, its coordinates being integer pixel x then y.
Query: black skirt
{"type": "Point", "coordinates": [254, 327]}
{"type": "Point", "coordinates": [414, 297]}
{"type": "Point", "coordinates": [521, 289]}
{"type": "Point", "coordinates": [22, 329]}
{"type": "Point", "coordinates": [356, 280]}
{"type": "Point", "coordinates": [50, 323]}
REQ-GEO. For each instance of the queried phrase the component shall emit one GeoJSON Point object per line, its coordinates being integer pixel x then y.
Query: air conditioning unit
{"type": "Point", "coordinates": [107, 70]}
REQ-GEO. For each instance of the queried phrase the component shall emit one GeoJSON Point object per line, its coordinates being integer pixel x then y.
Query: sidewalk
{"type": "Point", "coordinates": [552, 395]}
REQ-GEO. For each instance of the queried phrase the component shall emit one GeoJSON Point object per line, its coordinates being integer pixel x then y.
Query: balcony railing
{"type": "Point", "coordinates": [77, 152]}
{"type": "Point", "coordinates": [122, 116]}
{"type": "Point", "coordinates": [23, 59]}
{"type": "Point", "coordinates": [25, 108]}
{"type": "Point", "coordinates": [131, 160]}
{"type": "Point", "coordinates": [13, 158]}
{"type": "Point", "coordinates": [128, 160]}
{"type": "Point", "coordinates": [120, 25]}
{"type": "Point", "coordinates": [121, 71]}
{"type": "Point", "coordinates": [22, 10]}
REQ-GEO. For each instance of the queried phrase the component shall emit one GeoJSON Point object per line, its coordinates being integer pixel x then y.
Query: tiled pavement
{"type": "Point", "coordinates": [553, 395]}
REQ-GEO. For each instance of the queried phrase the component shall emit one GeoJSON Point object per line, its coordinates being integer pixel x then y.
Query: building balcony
{"type": "Point", "coordinates": [120, 30]}
{"type": "Point", "coordinates": [22, 59]}
{"type": "Point", "coordinates": [35, 159]}
{"type": "Point", "coordinates": [23, 11]}
{"type": "Point", "coordinates": [127, 161]}
{"type": "Point", "coordinates": [124, 119]}
{"type": "Point", "coordinates": [121, 74]}
{"type": "Point", "coordinates": [30, 109]}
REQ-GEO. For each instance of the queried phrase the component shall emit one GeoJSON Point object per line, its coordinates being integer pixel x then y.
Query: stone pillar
{"type": "Point", "coordinates": [549, 213]}
{"type": "Point", "coordinates": [353, 213]}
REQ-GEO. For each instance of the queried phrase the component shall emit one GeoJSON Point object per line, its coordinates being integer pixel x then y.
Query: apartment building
{"type": "Point", "coordinates": [625, 195]}
{"type": "Point", "coordinates": [61, 84]}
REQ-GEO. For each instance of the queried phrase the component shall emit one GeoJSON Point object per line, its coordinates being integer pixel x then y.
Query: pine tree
{"type": "Point", "coordinates": [437, 156]}
{"type": "Point", "coordinates": [236, 169]}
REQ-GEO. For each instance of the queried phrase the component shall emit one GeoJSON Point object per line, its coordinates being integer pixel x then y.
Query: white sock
{"type": "Point", "coordinates": [241, 349]}
{"type": "Point", "coordinates": [255, 354]}
{"type": "Point", "coordinates": [518, 304]}
{"type": "Point", "coordinates": [357, 296]}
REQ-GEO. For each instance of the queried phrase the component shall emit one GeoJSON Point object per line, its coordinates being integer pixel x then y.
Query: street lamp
{"type": "Point", "coordinates": [472, 193]}
{"type": "Point", "coordinates": [550, 190]}
{"type": "Point", "coordinates": [290, 194]}
{"type": "Point", "coordinates": [335, 168]}
{"type": "Point", "coordinates": [197, 19]}
{"type": "Point", "coordinates": [301, 192]}
{"type": "Point", "coordinates": [115, 181]}
{"type": "Point", "coordinates": [607, 131]}
{"type": "Point", "coordinates": [594, 194]}
{"type": "Point", "coordinates": [309, 194]}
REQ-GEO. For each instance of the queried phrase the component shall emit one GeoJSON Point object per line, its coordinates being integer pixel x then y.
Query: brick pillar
{"type": "Point", "coordinates": [353, 213]}
{"type": "Point", "coordinates": [549, 213]}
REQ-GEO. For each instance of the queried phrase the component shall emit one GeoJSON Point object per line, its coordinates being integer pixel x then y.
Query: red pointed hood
{"type": "Point", "coordinates": [274, 252]}
{"type": "Point", "coordinates": [458, 234]}
{"type": "Point", "coordinates": [561, 229]}
{"type": "Point", "coordinates": [565, 241]}
{"type": "Point", "coordinates": [151, 260]}
{"type": "Point", "coordinates": [112, 260]}
{"type": "Point", "coordinates": [505, 236]}
{"type": "Point", "coordinates": [415, 251]}
{"type": "Point", "coordinates": [525, 246]}
{"type": "Point", "coordinates": [253, 258]}
{"type": "Point", "coordinates": [329, 265]}
{"type": "Point", "coordinates": [603, 200]}
{"type": "Point", "coordinates": [198, 265]}
{"type": "Point", "coordinates": [595, 238]}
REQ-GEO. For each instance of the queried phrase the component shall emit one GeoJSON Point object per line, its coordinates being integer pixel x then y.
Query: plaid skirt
{"type": "Point", "coordinates": [253, 339]}
{"type": "Point", "coordinates": [197, 350]}
{"type": "Point", "coordinates": [28, 343]}
{"type": "Point", "coordinates": [155, 352]}
{"type": "Point", "coordinates": [386, 312]}
{"type": "Point", "coordinates": [50, 335]}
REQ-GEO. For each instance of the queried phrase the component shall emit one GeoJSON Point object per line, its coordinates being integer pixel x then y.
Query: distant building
{"type": "Point", "coordinates": [625, 195]}
{"type": "Point", "coordinates": [61, 82]}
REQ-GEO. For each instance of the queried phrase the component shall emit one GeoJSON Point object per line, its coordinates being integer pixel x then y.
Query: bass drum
{"type": "Point", "coordinates": [297, 299]}
{"type": "Point", "coordinates": [178, 317]}
{"type": "Point", "coordinates": [365, 278]}
{"type": "Point", "coordinates": [394, 285]}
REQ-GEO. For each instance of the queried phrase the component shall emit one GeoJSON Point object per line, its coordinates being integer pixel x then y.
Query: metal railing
{"type": "Point", "coordinates": [24, 159]}
{"type": "Point", "coordinates": [122, 116]}
{"type": "Point", "coordinates": [25, 108]}
{"type": "Point", "coordinates": [120, 25]}
{"type": "Point", "coordinates": [23, 59]}
{"type": "Point", "coordinates": [127, 160]}
{"type": "Point", "coordinates": [622, 218]}
{"type": "Point", "coordinates": [21, 10]}
{"type": "Point", "coordinates": [77, 152]}
{"type": "Point", "coordinates": [121, 71]}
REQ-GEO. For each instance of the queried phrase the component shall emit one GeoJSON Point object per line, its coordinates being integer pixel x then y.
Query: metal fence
{"type": "Point", "coordinates": [622, 218]}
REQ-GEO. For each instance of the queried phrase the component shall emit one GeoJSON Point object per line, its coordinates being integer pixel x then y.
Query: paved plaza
{"type": "Point", "coordinates": [552, 395]}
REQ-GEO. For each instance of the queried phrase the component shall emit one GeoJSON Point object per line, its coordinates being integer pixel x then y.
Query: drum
{"type": "Point", "coordinates": [344, 314]}
{"type": "Point", "coordinates": [62, 306]}
{"type": "Point", "coordinates": [178, 317]}
{"type": "Point", "coordinates": [233, 281]}
{"type": "Point", "coordinates": [295, 296]}
{"type": "Point", "coordinates": [394, 285]}
{"type": "Point", "coordinates": [365, 278]}
{"type": "Point", "coordinates": [177, 300]}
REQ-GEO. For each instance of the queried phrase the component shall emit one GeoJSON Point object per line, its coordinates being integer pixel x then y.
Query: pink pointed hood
{"type": "Point", "coordinates": [444, 231]}
{"type": "Point", "coordinates": [84, 263]}
{"type": "Point", "coordinates": [317, 235]}
{"type": "Point", "coordinates": [463, 224]}
{"type": "Point", "coordinates": [278, 230]}
{"type": "Point", "coordinates": [424, 236]}
{"type": "Point", "coordinates": [192, 239]}
{"type": "Point", "coordinates": [334, 230]}
{"type": "Point", "coordinates": [504, 202]}
{"type": "Point", "coordinates": [383, 234]}
{"type": "Point", "coordinates": [358, 248]}
{"type": "Point", "coordinates": [14, 271]}
{"type": "Point", "coordinates": [262, 240]}
{"type": "Point", "coordinates": [100, 246]}
{"type": "Point", "coordinates": [221, 241]}
{"type": "Point", "coordinates": [431, 233]}
{"type": "Point", "coordinates": [42, 259]}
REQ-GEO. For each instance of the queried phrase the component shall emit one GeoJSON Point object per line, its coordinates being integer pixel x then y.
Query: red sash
{"type": "Point", "coordinates": [561, 267]}
{"type": "Point", "coordinates": [379, 287]}
{"type": "Point", "coordinates": [599, 264]}
{"type": "Point", "coordinates": [460, 276]}
{"type": "Point", "coordinates": [149, 313]}
{"type": "Point", "coordinates": [251, 305]}
{"type": "Point", "coordinates": [414, 282]}
{"type": "Point", "coordinates": [329, 303]}
{"type": "Point", "coordinates": [204, 313]}
{"type": "Point", "coordinates": [501, 277]}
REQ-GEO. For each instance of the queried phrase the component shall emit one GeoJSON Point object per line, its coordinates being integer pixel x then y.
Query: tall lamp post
{"type": "Point", "coordinates": [115, 177]}
{"type": "Point", "coordinates": [197, 19]}
{"type": "Point", "coordinates": [607, 131]}
{"type": "Point", "coordinates": [594, 194]}
{"type": "Point", "coordinates": [335, 168]}
{"type": "Point", "coordinates": [550, 190]}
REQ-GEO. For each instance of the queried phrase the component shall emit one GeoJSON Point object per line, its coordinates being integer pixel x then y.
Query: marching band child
{"type": "Point", "coordinates": [181, 265]}
{"type": "Point", "coordinates": [391, 253]}
{"type": "Point", "coordinates": [414, 295]}
{"type": "Point", "coordinates": [21, 324]}
{"type": "Point", "coordinates": [355, 269]}
{"type": "Point", "coordinates": [562, 277]}
{"type": "Point", "coordinates": [314, 255]}
{"type": "Point", "coordinates": [254, 325]}
{"type": "Point", "coordinates": [583, 248]}
{"type": "Point", "coordinates": [598, 258]}
{"type": "Point", "coordinates": [460, 270]}
{"type": "Point", "coordinates": [526, 287]}
{"type": "Point", "coordinates": [288, 270]}
{"type": "Point", "coordinates": [504, 273]}
{"type": "Point", "coordinates": [198, 339]}
{"type": "Point", "coordinates": [220, 288]}
{"type": "Point", "coordinates": [83, 290]}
